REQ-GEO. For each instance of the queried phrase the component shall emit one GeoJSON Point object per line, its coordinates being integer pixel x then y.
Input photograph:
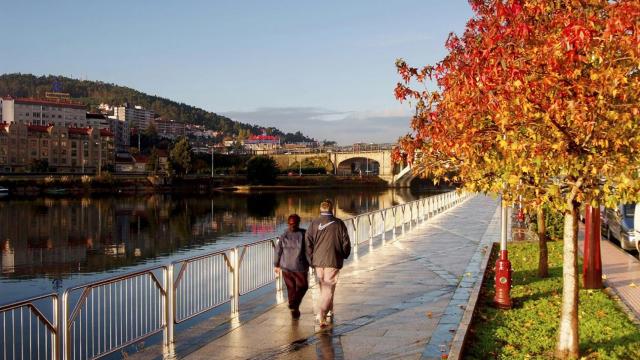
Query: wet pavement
{"type": "Point", "coordinates": [403, 299]}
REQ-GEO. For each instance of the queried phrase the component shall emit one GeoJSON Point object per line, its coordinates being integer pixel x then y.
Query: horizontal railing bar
{"type": "Point", "coordinates": [20, 303]}
{"type": "Point", "coordinates": [117, 278]}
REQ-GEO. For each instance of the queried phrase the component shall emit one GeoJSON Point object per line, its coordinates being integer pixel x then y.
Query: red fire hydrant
{"type": "Point", "coordinates": [502, 299]}
{"type": "Point", "coordinates": [503, 271]}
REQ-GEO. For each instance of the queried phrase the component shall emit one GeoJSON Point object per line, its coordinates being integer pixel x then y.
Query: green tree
{"type": "Point", "coordinates": [153, 163]}
{"type": "Point", "coordinates": [262, 170]}
{"type": "Point", "coordinates": [181, 156]}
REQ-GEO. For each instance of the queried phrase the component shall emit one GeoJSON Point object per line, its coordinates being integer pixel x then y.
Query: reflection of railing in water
{"type": "Point", "coordinates": [108, 315]}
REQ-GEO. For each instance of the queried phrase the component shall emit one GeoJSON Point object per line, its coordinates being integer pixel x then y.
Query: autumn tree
{"type": "Point", "coordinates": [181, 156]}
{"type": "Point", "coordinates": [539, 100]}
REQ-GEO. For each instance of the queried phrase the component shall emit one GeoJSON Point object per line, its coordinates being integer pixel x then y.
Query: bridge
{"type": "Point", "coordinates": [366, 161]}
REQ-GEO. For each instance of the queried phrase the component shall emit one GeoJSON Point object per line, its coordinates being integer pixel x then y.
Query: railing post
{"type": "Point", "coordinates": [394, 211]}
{"type": "Point", "coordinates": [383, 214]}
{"type": "Point", "coordinates": [56, 322]}
{"type": "Point", "coordinates": [403, 216]}
{"type": "Point", "coordinates": [63, 332]}
{"type": "Point", "coordinates": [355, 234]}
{"type": "Point", "coordinates": [410, 217]}
{"type": "Point", "coordinates": [234, 282]}
{"type": "Point", "coordinates": [371, 218]}
{"type": "Point", "coordinates": [168, 349]}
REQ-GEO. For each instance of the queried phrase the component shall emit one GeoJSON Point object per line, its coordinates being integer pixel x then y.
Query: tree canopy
{"type": "Point", "coordinates": [537, 100]}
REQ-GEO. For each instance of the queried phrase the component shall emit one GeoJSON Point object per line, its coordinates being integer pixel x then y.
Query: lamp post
{"type": "Point", "coordinates": [84, 151]}
{"type": "Point", "coordinates": [211, 161]}
{"type": "Point", "coordinates": [99, 157]}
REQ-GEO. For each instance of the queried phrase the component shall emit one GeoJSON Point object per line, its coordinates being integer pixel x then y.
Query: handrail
{"type": "Point", "coordinates": [18, 341]}
{"type": "Point", "coordinates": [113, 313]}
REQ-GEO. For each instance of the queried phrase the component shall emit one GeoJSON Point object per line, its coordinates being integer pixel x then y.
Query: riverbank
{"type": "Point", "coordinates": [112, 184]}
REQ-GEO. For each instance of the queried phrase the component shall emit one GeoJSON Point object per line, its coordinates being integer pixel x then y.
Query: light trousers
{"type": "Point", "coordinates": [327, 279]}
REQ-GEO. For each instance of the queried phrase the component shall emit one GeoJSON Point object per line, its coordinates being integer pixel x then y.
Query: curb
{"type": "Point", "coordinates": [460, 336]}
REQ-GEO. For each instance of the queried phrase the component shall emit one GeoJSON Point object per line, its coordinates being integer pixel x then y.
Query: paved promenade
{"type": "Point", "coordinates": [621, 273]}
{"type": "Point", "coordinates": [404, 299]}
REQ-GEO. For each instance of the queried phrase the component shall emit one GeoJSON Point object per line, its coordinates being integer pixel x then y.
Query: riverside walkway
{"type": "Point", "coordinates": [404, 299]}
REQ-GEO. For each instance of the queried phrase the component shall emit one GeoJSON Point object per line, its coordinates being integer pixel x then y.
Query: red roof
{"type": "Point", "coordinates": [55, 102]}
{"type": "Point", "coordinates": [141, 158]}
{"type": "Point", "coordinates": [79, 131]}
{"type": "Point", "coordinates": [106, 132]}
{"type": "Point", "coordinates": [263, 137]}
{"type": "Point", "coordinates": [39, 128]}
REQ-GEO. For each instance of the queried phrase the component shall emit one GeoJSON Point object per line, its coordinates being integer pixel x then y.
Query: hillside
{"type": "Point", "coordinates": [92, 93]}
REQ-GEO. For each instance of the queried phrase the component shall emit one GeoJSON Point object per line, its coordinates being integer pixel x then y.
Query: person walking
{"type": "Point", "coordinates": [327, 245]}
{"type": "Point", "coordinates": [291, 262]}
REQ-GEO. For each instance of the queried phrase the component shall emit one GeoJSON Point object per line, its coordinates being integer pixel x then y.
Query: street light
{"type": "Point", "coordinates": [99, 157]}
{"type": "Point", "coordinates": [211, 161]}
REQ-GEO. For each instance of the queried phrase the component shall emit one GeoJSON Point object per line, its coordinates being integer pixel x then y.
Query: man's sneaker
{"type": "Point", "coordinates": [329, 316]}
{"type": "Point", "coordinates": [321, 322]}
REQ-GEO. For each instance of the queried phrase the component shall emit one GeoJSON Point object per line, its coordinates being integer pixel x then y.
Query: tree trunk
{"type": "Point", "coordinates": [568, 334]}
{"type": "Point", "coordinates": [543, 258]}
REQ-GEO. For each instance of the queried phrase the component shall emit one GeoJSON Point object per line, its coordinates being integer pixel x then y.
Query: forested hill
{"type": "Point", "coordinates": [93, 93]}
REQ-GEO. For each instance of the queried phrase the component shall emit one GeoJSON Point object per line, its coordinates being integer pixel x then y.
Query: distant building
{"type": "Point", "coordinates": [51, 111]}
{"type": "Point", "coordinates": [136, 116]}
{"type": "Point", "coordinates": [138, 163]}
{"type": "Point", "coordinates": [121, 133]}
{"type": "Point", "coordinates": [98, 121]}
{"type": "Point", "coordinates": [261, 144]}
{"type": "Point", "coordinates": [65, 149]}
{"type": "Point", "coordinates": [169, 128]}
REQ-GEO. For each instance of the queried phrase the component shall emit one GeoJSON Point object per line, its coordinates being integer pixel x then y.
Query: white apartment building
{"type": "Point", "coordinates": [136, 116]}
{"type": "Point", "coordinates": [31, 111]}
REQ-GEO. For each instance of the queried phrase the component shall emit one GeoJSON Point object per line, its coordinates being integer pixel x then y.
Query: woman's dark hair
{"type": "Point", "coordinates": [294, 217]}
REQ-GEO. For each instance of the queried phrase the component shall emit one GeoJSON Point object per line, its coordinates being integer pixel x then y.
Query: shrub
{"type": "Point", "coordinates": [262, 170]}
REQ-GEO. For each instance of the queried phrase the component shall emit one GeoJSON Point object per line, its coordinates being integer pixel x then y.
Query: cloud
{"type": "Point", "coordinates": [345, 127]}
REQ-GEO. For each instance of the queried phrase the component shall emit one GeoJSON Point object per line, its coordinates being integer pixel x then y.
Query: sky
{"type": "Point", "coordinates": [325, 68]}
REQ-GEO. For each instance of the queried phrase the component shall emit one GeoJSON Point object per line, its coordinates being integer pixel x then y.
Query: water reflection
{"type": "Point", "coordinates": [53, 239]}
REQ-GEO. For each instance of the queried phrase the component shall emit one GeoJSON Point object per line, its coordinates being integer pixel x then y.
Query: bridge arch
{"type": "Point", "coordinates": [358, 165]}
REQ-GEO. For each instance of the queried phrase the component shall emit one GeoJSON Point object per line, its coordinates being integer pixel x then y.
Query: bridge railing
{"type": "Point", "coordinates": [102, 317]}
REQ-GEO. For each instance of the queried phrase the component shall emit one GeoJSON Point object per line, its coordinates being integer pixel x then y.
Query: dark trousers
{"type": "Point", "coordinates": [297, 285]}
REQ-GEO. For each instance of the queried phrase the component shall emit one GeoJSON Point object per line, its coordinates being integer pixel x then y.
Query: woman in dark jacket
{"type": "Point", "coordinates": [291, 261]}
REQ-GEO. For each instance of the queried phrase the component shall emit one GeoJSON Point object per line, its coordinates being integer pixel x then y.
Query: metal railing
{"type": "Point", "coordinates": [114, 313]}
{"type": "Point", "coordinates": [102, 317]}
{"type": "Point", "coordinates": [27, 332]}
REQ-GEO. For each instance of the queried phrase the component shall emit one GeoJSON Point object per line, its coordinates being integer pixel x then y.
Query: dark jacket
{"type": "Point", "coordinates": [290, 251]}
{"type": "Point", "coordinates": [327, 242]}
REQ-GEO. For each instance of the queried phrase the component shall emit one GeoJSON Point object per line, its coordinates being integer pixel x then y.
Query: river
{"type": "Point", "coordinates": [49, 244]}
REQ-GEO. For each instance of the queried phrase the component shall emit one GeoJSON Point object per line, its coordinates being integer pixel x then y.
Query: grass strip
{"type": "Point", "coordinates": [529, 330]}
